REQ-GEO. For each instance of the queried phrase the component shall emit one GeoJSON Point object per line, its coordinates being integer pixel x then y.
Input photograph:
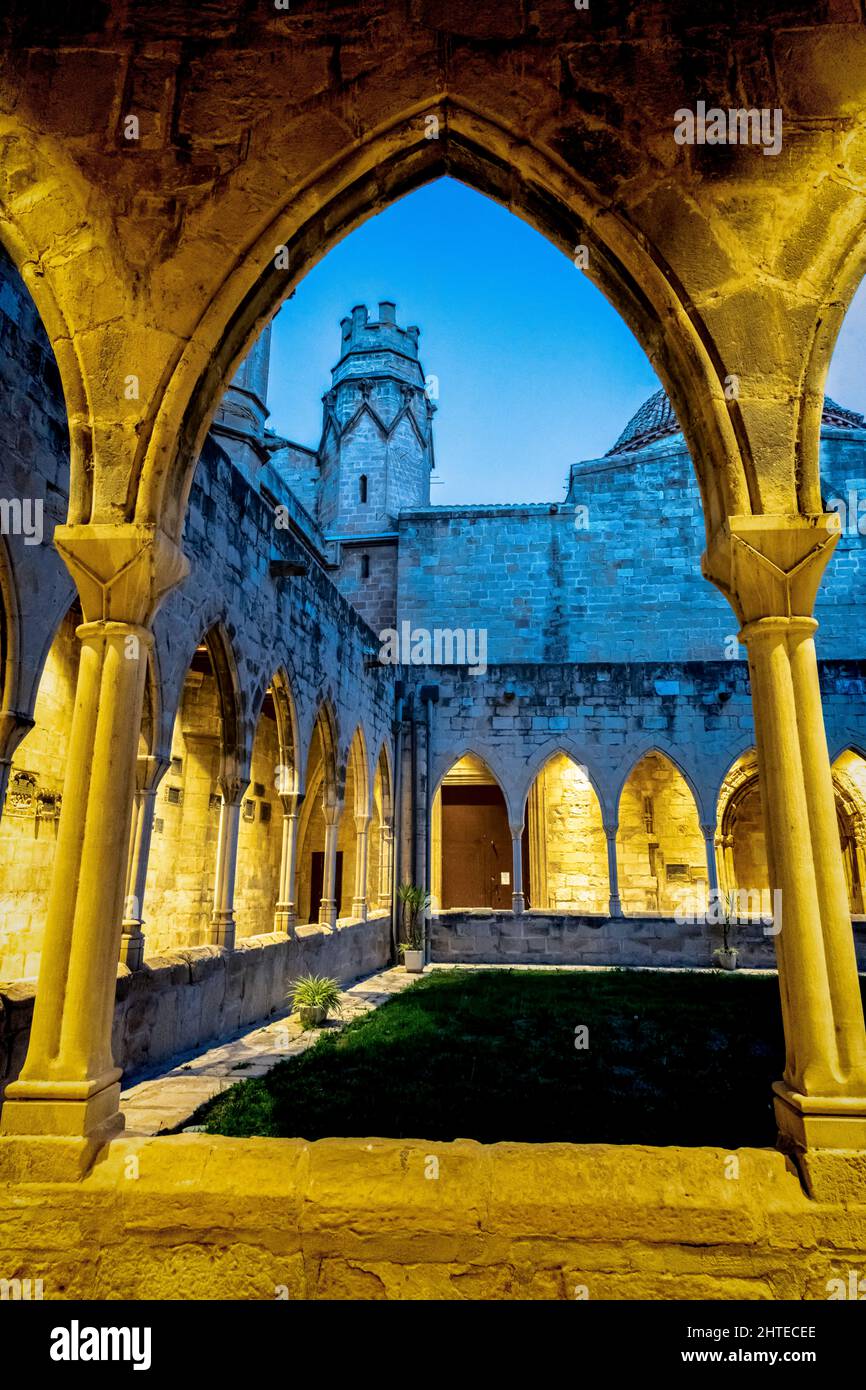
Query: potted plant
{"type": "Point", "coordinates": [726, 956]}
{"type": "Point", "coordinates": [314, 997]}
{"type": "Point", "coordinates": [414, 902]}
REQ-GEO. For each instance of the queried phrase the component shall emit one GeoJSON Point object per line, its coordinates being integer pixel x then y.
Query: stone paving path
{"type": "Point", "coordinates": [160, 1101]}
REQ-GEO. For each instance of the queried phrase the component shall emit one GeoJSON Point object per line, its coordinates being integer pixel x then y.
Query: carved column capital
{"type": "Point", "coordinates": [149, 772]}
{"type": "Point", "coordinates": [770, 566]}
{"type": "Point", "coordinates": [123, 572]}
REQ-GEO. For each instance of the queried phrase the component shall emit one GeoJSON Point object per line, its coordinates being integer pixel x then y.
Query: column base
{"type": "Point", "coordinates": [132, 946]}
{"type": "Point", "coordinates": [819, 1122]}
{"type": "Point", "coordinates": [285, 918]}
{"type": "Point", "coordinates": [328, 915]}
{"type": "Point", "coordinates": [615, 907]}
{"type": "Point", "coordinates": [518, 903]}
{"type": "Point", "coordinates": [359, 909]}
{"type": "Point", "coordinates": [223, 930]}
{"type": "Point", "coordinates": [54, 1108]}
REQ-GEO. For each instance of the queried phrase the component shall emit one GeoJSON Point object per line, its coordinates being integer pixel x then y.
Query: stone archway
{"type": "Point", "coordinates": [167, 253]}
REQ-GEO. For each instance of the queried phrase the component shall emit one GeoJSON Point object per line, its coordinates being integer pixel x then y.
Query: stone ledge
{"type": "Point", "coordinates": [210, 1217]}
{"type": "Point", "coordinates": [487, 937]}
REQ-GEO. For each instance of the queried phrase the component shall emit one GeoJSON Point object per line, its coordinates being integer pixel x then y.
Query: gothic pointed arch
{"type": "Point", "coordinates": [542, 189]}
{"type": "Point", "coordinates": [661, 849]}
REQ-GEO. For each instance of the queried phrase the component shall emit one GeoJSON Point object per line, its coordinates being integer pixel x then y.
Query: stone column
{"type": "Point", "coordinates": [709, 834]}
{"type": "Point", "coordinates": [286, 912]}
{"type": "Point", "coordinates": [728, 862]}
{"type": "Point", "coordinates": [223, 926]}
{"type": "Point", "coordinates": [69, 1084]}
{"type": "Point", "coordinates": [770, 568]}
{"type": "Point", "coordinates": [386, 863]}
{"type": "Point", "coordinates": [359, 901]}
{"type": "Point", "coordinates": [615, 904]}
{"type": "Point", "coordinates": [329, 907]}
{"type": "Point", "coordinates": [149, 773]}
{"type": "Point", "coordinates": [518, 898]}
{"type": "Point", "coordinates": [830, 877]}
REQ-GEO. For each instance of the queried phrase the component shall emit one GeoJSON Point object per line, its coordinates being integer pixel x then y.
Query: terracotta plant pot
{"type": "Point", "coordinates": [413, 962]}
{"type": "Point", "coordinates": [312, 1015]}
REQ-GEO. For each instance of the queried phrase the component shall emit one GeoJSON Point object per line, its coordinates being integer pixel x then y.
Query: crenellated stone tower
{"type": "Point", "coordinates": [375, 455]}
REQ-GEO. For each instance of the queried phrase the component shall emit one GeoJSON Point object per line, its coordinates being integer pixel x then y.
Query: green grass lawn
{"type": "Point", "coordinates": [490, 1055]}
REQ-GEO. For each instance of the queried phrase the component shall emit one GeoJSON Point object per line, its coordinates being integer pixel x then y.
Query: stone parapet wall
{"type": "Point", "coordinates": [265, 1219]}
{"type": "Point", "coordinates": [483, 937]}
{"type": "Point", "coordinates": [181, 1000]}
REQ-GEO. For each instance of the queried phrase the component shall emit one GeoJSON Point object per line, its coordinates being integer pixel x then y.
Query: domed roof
{"type": "Point", "coordinates": [656, 420]}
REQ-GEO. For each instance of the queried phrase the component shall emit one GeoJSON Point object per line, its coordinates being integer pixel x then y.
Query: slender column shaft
{"type": "Point", "coordinates": [329, 906]}
{"type": "Point", "coordinates": [132, 934]}
{"type": "Point", "coordinates": [286, 913]}
{"type": "Point", "coordinates": [386, 863]}
{"type": "Point", "coordinates": [728, 863]}
{"type": "Point", "coordinates": [803, 975]}
{"type": "Point", "coordinates": [359, 901]}
{"type": "Point", "coordinates": [709, 834]}
{"type": "Point", "coordinates": [615, 904]}
{"type": "Point", "coordinates": [69, 1083]}
{"type": "Point", "coordinates": [518, 897]}
{"type": "Point", "coordinates": [841, 957]}
{"type": "Point", "coordinates": [223, 926]}
{"type": "Point", "coordinates": [149, 773]}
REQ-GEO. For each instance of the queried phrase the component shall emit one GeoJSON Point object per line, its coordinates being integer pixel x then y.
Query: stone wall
{"type": "Point", "coordinates": [373, 593]}
{"type": "Point", "coordinates": [183, 999]}
{"type": "Point", "coordinates": [607, 716]}
{"type": "Point", "coordinates": [587, 581]}
{"type": "Point", "coordinates": [537, 938]}
{"type": "Point", "coordinates": [265, 1219]}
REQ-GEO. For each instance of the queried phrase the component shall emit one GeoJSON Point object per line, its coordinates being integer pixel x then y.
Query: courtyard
{"type": "Point", "coordinates": [677, 1057]}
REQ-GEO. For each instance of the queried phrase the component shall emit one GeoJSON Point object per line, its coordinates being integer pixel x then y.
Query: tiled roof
{"type": "Point", "coordinates": [656, 420]}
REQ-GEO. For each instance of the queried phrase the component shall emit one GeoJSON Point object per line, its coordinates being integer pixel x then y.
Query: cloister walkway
{"type": "Point", "coordinates": [160, 1100]}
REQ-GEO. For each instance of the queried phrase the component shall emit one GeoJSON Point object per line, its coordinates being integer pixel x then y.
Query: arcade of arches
{"type": "Point", "coordinates": [190, 794]}
{"type": "Point", "coordinates": [662, 860]}
{"type": "Point", "coordinates": [190, 810]}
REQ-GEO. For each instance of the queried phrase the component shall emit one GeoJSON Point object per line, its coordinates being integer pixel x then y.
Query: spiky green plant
{"type": "Point", "coordinates": [316, 992]}
{"type": "Point", "coordinates": [730, 904]}
{"type": "Point", "coordinates": [414, 902]}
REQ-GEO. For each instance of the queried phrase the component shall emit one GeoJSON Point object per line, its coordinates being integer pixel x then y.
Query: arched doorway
{"type": "Point", "coordinates": [472, 861]}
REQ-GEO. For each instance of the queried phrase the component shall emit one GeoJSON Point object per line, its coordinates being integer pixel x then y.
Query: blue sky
{"type": "Point", "coordinates": [536, 370]}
